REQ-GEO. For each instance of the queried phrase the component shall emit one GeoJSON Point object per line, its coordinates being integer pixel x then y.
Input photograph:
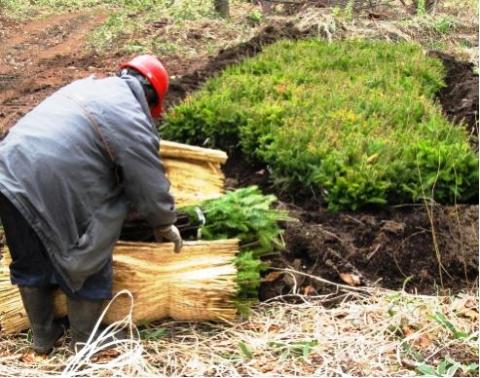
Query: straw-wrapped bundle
{"type": "Point", "coordinates": [208, 280]}
{"type": "Point", "coordinates": [197, 284]}
{"type": "Point", "coordinates": [194, 172]}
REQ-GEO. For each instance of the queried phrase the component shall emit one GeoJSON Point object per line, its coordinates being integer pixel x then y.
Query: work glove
{"type": "Point", "coordinates": [171, 234]}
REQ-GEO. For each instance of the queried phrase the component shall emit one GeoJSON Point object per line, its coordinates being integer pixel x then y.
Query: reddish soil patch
{"type": "Point", "coordinates": [38, 57]}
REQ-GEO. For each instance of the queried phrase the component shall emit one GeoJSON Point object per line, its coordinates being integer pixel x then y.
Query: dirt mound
{"type": "Point", "coordinates": [395, 248]}
{"type": "Point", "coordinates": [459, 98]}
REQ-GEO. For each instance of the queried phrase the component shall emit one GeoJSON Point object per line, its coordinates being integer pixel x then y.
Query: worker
{"type": "Point", "coordinates": [70, 172]}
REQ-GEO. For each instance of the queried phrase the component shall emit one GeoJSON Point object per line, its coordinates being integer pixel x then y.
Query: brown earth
{"type": "Point", "coordinates": [37, 57]}
{"type": "Point", "coordinates": [459, 98]}
{"type": "Point", "coordinates": [391, 248]}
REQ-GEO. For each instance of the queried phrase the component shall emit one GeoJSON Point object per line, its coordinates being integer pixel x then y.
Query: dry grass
{"type": "Point", "coordinates": [451, 28]}
{"type": "Point", "coordinates": [359, 331]}
{"type": "Point", "coordinates": [183, 33]}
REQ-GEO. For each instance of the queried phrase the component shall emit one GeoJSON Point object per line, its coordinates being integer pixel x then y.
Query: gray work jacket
{"type": "Point", "coordinates": [77, 162]}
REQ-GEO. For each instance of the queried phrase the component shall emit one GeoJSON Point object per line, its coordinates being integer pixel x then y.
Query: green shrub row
{"type": "Point", "coordinates": [354, 121]}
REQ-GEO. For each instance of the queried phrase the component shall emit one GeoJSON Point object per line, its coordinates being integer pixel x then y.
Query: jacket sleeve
{"type": "Point", "coordinates": [144, 180]}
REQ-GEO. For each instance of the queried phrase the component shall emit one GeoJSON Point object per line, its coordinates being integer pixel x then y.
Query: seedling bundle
{"type": "Point", "coordinates": [195, 173]}
{"type": "Point", "coordinates": [213, 278]}
{"type": "Point", "coordinates": [197, 284]}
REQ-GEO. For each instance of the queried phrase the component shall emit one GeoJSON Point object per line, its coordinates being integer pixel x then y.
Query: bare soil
{"type": "Point", "coordinates": [38, 57]}
{"type": "Point", "coordinates": [413, 246]}
{"type": "Point", "coordinates": [459, 98]}
{"type": "Point", "coordinates": [392, 248]}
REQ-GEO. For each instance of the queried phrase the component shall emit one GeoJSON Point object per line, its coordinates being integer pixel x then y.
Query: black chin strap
{"type": "Point", "coordinates": [150, 94]}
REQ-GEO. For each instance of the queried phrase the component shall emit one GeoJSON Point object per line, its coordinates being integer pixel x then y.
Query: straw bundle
{"type": "Point", "coordinates": [197, 284]}
{"type": "Point", "coordinates": [189, 168]}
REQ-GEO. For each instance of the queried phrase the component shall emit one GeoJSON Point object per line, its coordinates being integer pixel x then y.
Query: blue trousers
{"type": "Point", "coordinates": [31, 265]}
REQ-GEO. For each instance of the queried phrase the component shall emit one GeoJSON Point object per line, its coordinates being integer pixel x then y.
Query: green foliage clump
{"type": "Point", "coordinates": [249, 269]}
{"type": "Point", "coordinates": [245, 214]}
{"type": "Point", "coordinates": [354, 121]}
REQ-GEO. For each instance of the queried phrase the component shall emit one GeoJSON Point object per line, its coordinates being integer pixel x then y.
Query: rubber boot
{"type": "Point", "coordinates": [83, 315]}
{"type": "Point", "coordinates": [38, 303]}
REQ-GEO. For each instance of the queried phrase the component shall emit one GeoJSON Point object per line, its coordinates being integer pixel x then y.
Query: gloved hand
{"type": "Point", "coordinates": [169, 233]}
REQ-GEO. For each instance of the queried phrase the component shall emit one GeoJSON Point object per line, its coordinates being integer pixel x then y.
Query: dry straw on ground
{"type": "Point", "coordinates": [451, 27]}
{"type": "Point", "coordinates": [357, 331]}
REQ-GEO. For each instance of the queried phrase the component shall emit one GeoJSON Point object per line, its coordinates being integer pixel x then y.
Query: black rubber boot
{"type": "Point", "coordinates": [38, 303]}
{"type": "Point", "coordinates": [83, 315]}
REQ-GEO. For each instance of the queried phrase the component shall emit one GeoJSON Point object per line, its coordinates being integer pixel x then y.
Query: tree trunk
{"type": "Point", "coordinates": [222, 7]}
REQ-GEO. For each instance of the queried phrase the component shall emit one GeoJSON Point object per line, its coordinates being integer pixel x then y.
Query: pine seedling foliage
{"type": "Point", "coordinates": [248, 215]}
{"type": "Point", "coordinates": [245, 214]}
{"type": "Point", "coordinates": [354, 122]}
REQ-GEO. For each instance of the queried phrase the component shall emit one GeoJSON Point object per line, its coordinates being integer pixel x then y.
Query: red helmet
{"type": "Point", "coordinates": [150, 67]}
